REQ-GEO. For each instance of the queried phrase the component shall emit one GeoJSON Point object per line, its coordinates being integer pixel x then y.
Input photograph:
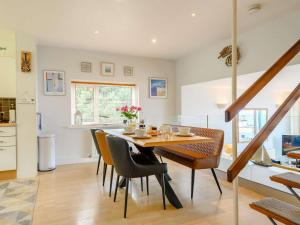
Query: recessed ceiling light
{"type": "Point", "coordinates": [194, 14]}
{"type": "Point", "coordinates": [154, 40]}
{"type": "Point", "coordinates": [96, 32]}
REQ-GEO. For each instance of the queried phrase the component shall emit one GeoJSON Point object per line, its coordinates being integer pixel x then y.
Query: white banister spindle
{"type": "Point", "coordinates": [234, 97]}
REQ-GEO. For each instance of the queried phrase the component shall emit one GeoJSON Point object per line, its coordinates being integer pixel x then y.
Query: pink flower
{"type": "Point", "coordinates": [132, 108]}
{"type": "Point", "coordinates": [139, 108]}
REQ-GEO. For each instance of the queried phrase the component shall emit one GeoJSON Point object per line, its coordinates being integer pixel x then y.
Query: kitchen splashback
{"type": "Point", "coordinates": [5, 105]}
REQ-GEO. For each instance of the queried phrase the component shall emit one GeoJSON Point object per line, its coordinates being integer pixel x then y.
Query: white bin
{"type": "Point", "coordinates": [46, 145]}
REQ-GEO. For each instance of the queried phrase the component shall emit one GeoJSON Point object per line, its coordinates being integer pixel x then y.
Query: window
{"type": "Point", "coordinates": [97, 102]}
{"type": "Point", "coordinates": [250, 122]}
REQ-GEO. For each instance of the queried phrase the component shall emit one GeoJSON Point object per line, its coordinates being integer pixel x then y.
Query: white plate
{"type": "Point", "coordinates": [127, 133]}
{"type": "Point", "coordinates": [185, 135]}
{"type": "Point", "coordinates": [142, 137]}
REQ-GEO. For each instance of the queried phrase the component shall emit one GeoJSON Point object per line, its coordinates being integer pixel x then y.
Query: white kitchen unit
{"type": "Point", "coordinates": [8, 149]}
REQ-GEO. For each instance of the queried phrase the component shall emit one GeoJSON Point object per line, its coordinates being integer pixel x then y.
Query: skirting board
{"type": "Point", "coordinates": [8, 175]}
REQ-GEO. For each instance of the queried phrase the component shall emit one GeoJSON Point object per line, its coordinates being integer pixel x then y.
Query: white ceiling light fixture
{"type": "Point", "coordinates": [254, 8]}
{"type": "Point", "coordinates": [96, 32]}
{"type": "Point", "coordinates": [194, 14]}
{"type": "Point", "coordinates": [154, 40]}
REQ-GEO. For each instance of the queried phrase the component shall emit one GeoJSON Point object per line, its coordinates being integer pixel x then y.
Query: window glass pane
{"type": "Point", "coordinates": [110, 98]}
{"type": "Point", "coordinates": [85, 103]}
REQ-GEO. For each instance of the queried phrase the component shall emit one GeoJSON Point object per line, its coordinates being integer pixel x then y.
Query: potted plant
{"type": "Point", "coordinates": [130, 113]}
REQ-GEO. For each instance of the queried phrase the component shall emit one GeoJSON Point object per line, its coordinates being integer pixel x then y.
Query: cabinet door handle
{"type": "Point", "coordinates": [1, 141]}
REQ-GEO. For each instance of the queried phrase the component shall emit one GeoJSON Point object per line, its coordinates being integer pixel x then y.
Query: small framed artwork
{"type": "Point", "coordinates": [86, 67]}
{"type": "Point", "coordinates": [26, 60]}
{"type": "Point", "coordinates": [107, 69]}
{"type": "Point", "coordinates": [158, 87]}
{"type": "Point", "coordinates": [54, 82]}
{"type": "Point", "coordinates": [128, 70]}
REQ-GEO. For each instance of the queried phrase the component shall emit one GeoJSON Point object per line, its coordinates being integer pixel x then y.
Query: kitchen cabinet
{"type": "Point", "coordinates": [8, 149]}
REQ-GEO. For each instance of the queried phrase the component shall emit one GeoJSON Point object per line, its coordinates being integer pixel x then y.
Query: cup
{"type": "Point", "coordinates": [129, 129]}
{"type": "Point", "coordinates": [140, 132]}
{"type": "Point", "coordinates": [166, 131]}
{"type": "Point", "coordinates": [184, 130]}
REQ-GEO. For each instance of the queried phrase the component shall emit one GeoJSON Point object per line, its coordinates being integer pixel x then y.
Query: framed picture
{"type": "Point", "coordinates": [158, 87]}
{"type": "Point", "coordinates": [86, 67]}
{"type": "Point", "coordinates": [128, 70]}
{"type": "Point", "coordinates": [54, 82]}
{"type": "Point", "coordinates": [107, 69]}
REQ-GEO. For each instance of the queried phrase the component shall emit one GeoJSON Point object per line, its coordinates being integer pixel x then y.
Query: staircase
{"type": "Point", "coordinates": [274, 209]}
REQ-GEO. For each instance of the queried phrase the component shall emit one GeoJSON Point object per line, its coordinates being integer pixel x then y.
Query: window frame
{"type": "Point", "coordinates": [96, 85]}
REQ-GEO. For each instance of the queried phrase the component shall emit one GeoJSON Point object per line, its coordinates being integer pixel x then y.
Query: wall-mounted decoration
{"type": "Point", "coordinates": [158, 87]}
{"type": "Point", "coordinates": [26, 59]}
{"type": "Point", "coordinates": [107, 69]}
{"type": "Point", "coordinates": [86, 67]}
{"type": "Point", "coordinates": [128, 70]}
{"type": "Point", "coordinates": [54, 82]}
{"type": "Point", "coordinates": [227, 54]}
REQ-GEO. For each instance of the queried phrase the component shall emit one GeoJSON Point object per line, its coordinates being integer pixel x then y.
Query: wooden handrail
{"type": "Point", "coordinates": [258, 85]}
{"type": "Point", "coordinates": [258, 140]}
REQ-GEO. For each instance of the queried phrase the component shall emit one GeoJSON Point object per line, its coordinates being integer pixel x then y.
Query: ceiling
{"type": "Point", "coordinates": [128, 26]}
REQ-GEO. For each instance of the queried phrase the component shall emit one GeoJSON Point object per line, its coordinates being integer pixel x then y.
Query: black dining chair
{"type": "Point", "coordinates": [126, 167]}
{"type": "Point", "coordinates": [93, 132]}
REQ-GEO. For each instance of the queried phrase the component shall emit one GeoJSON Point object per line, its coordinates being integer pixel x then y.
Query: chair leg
{"type": "Point", "coordinates": [161, 160]}
{"type": "Point", "coordinates": [126, 197]}
{"type": "Point", "coordinates": [192, 183]}
{"type": "Point", "coordinates": [116, 188]}
{"type": "Point", "coordinates": [147, 184]}
{"type": "Point", "coordinates": [104, 173]}
{"type": "Point", "coordinates": [111, 180]}
{"type": "Point", "coordinates": [142, 184]}
{"type": "Point", "coordinates": [272, 221]}
{"type": "Point", "coordinates": [216, 179]}
{"type": "Point", "coordinates": [98, 164]}
{"type": "Point", "coordinates": [163, 189]}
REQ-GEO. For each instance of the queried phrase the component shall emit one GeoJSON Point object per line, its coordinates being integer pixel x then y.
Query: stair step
{"type": "Point", "coordinates": [278, 210]}
{"type": "Point", "coordinates": [294, 155]}
{"type": "Point", "coordinates": [287, 179]}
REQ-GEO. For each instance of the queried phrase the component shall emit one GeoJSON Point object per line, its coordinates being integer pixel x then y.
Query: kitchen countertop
{"type": "Point", "coordinates": [2, 124]}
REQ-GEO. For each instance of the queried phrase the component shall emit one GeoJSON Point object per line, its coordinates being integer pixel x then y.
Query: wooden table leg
{"type": "Point", "coordinates": [172, 197]}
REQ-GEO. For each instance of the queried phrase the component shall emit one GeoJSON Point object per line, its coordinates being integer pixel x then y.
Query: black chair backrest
{"type": "Point", "coordinates": [93, 131]}
{"type": "Point", "coordinates": [120, 154]}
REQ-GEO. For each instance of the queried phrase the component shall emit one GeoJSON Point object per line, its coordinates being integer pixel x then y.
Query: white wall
{"type": "Point", "coordinates": [8, 64]}
{"type": "Point", "coordinates": [260, 48]}
{"type": "Point", "coordinates": [208, 93]}
{"type": "Point", "coordinates": [74, 144]}
{"type": "Point", "coordinates": [26, 113]}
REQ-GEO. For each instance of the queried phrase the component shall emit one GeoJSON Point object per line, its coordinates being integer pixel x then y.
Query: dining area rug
{"type": "Point", "coordinates": [17, 201]}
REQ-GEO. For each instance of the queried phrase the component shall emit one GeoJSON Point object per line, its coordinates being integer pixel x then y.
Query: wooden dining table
{"type": "Point", "coordinates": [146, 147]}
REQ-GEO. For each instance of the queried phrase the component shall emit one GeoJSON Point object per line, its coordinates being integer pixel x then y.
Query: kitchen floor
{"type": "Point", "coordinates": [73, 194]}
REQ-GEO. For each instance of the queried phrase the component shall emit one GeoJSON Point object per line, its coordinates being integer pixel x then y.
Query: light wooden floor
{"type": "Point", "coordinates": [73, 195]}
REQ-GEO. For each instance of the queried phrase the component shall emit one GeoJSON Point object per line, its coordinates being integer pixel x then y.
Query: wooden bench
{"type": "Point", "coordinates": [197, 156]}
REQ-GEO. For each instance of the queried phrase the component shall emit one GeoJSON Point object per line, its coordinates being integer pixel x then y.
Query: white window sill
{"type": "Point", "coordinates": [100, 126]}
